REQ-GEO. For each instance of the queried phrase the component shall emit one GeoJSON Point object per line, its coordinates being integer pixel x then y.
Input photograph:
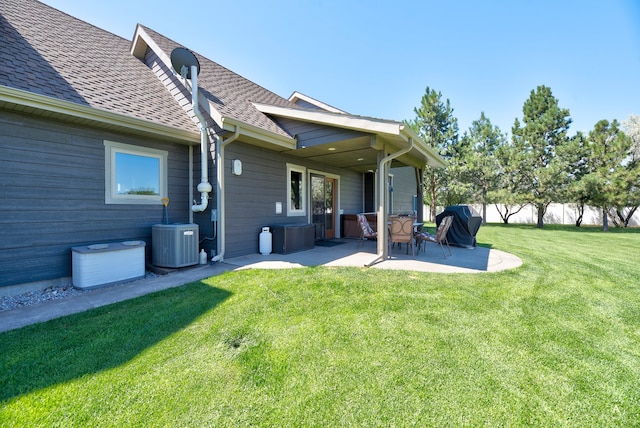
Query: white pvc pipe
{"type": "Point", "coordinates": [204, 187]}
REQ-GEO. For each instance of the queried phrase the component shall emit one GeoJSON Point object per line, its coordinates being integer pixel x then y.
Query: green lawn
{"type": "Point", "coordinates": [555, 342]}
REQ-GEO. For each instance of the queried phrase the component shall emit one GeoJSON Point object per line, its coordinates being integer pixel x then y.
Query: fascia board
{"type": "Point", "coordinates": [230, 124]}
{"type": "Point", "coordinates": [340, 120]}
{"type": "Point", "coordinates": [54, 105]}
{"type": "Point", "coordinates": [138, 43]}
{"type": "Point", "coordinates": [213, 112]}
{"type": "Point", "coordinates": [142, 40]}
{"type": "Point", "coordinates": [318, 103]}
{"type": "Point", "coordinates": [423, 147]}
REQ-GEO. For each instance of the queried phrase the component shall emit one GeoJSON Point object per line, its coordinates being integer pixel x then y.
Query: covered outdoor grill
{"type": "Point", "coordinates": [465, 225]}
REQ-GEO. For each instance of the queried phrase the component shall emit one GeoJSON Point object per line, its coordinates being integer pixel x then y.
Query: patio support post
{"type": "Point", "coordinates": [383, 238]}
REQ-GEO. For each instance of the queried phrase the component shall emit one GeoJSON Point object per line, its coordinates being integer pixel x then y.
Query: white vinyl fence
{"type": "Point", "coordinates": [556, 214]}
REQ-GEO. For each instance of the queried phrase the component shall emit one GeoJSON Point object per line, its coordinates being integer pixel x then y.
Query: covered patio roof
{"type": "Point", "coordinates": [363, 141]}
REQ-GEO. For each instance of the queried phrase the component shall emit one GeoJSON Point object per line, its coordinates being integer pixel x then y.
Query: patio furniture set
{"type": "Point", "coordinates": [405, 230]}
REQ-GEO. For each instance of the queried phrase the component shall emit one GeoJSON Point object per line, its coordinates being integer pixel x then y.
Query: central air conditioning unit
{"type": "Point", "coordinates": [175, 245]}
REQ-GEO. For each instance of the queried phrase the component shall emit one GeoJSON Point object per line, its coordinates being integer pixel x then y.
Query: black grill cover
{"type": "Point", "coordinates": [465, 225]}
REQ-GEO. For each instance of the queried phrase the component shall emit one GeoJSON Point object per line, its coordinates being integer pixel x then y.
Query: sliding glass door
{"type": "Point", "coordinates": [323, 197]}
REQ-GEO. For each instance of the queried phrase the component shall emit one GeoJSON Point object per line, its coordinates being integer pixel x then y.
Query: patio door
{"type": "Point", "coordinates": [323, 201]}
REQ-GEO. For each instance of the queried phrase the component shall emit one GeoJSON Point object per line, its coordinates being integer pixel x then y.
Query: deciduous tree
{"type": "Point", "coordinates": [482, 167]}
{"type": "Point", "coordinates": [612, 172]}
{"type": "Point", "coordinates": [631, 128]}
{"type": "Point", "coordinates": [577, 154]}
{"type": "Point", "coordinates": [510, 195]}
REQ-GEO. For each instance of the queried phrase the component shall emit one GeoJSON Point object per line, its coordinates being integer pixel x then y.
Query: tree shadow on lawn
{"type": "Point", "coordinates": [67, 348]}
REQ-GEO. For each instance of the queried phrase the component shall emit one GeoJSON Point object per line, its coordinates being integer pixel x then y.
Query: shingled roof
{"type": "Point", "coordinates": [53, 56]}
{"type": "Point", "coordinates": [47, 52]}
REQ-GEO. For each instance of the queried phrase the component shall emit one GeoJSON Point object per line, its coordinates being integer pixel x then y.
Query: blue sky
{"type": "Point", "coordinates": [376, 58]}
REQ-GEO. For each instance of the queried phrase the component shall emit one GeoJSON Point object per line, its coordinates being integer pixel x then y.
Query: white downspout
{"type": "Point", "coordinates": [383, 238]}
{"type": "Point", "coordinates": [204, 187]}
{"type": "Point", "coordinates": [220, 196]}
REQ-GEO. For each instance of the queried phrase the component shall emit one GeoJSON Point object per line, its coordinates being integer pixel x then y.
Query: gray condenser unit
{"type": "Point", "coordinates": [175, 245]}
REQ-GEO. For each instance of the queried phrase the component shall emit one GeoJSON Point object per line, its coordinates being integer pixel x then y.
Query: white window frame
{"type": "Point", "coordinates": [111, 148]}
{"type": "Point", "coordinates": [292, 212]}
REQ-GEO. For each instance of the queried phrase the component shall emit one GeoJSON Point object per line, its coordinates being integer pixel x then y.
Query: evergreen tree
{"type": "Point", "coordinates": [536, 146]}
{"type": "Point", "coordinates": [435, 124]}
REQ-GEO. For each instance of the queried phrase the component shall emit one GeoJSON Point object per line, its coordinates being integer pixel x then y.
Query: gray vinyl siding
{"type": "Point", "coordinates": [404, 188]}
{"type": "Point", "coordinates": [310, 134]}
{"type": "Point", "coordinates": [351, 193]}
{"type": "Point", "coordinates": [251, 197]}
{"type": "Point", "coordinates": [308, 105]}
{"type": "Point", "coordinates": [52, 196]}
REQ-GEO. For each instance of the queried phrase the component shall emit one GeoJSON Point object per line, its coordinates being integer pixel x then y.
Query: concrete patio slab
{"type": "Point", "coordinates": [354, 253]}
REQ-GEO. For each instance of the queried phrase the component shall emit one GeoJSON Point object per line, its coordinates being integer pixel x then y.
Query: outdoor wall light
{"type": "Point", "coordinates": [236, 167]}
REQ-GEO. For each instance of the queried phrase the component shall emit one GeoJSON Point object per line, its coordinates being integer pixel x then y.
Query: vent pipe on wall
{"type": "Point", "coordinates": [204, 187]}
{"type": "Point", "coordinates": [186, 63]}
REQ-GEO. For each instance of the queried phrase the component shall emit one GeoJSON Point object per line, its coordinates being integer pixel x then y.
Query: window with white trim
{"type": "Point", "coordinates": [296, 190]}
{"type": "Point", "coordinates": [134, 174]}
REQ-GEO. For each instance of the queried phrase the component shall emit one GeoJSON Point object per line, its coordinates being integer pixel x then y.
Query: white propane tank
{"type": "Point", "coordinates": [265, 241]}
{"type": "Point", "coordinates": [203, 257]}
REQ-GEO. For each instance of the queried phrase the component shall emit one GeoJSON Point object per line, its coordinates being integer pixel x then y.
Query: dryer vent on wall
{"type": "Point", "coordinates": [175, 245]}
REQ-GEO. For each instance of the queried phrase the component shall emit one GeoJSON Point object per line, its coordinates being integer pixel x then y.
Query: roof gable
{"type": "Point", "coordinates": [306, 101]}
{"type": "Point", "coordinates": [230, 95]}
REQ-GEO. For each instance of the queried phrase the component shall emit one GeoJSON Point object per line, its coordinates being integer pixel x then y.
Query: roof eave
{"type": "Point", "coordinates": [67, 108]}
{"type": "Point", "coordinates": [257, 135]}
{"type": "Point", "coordinates": [324, 106]}
{"type": "Point", "coordinates": [434, 159]}
{"type": "Point", "coordinates": [340, 120]}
